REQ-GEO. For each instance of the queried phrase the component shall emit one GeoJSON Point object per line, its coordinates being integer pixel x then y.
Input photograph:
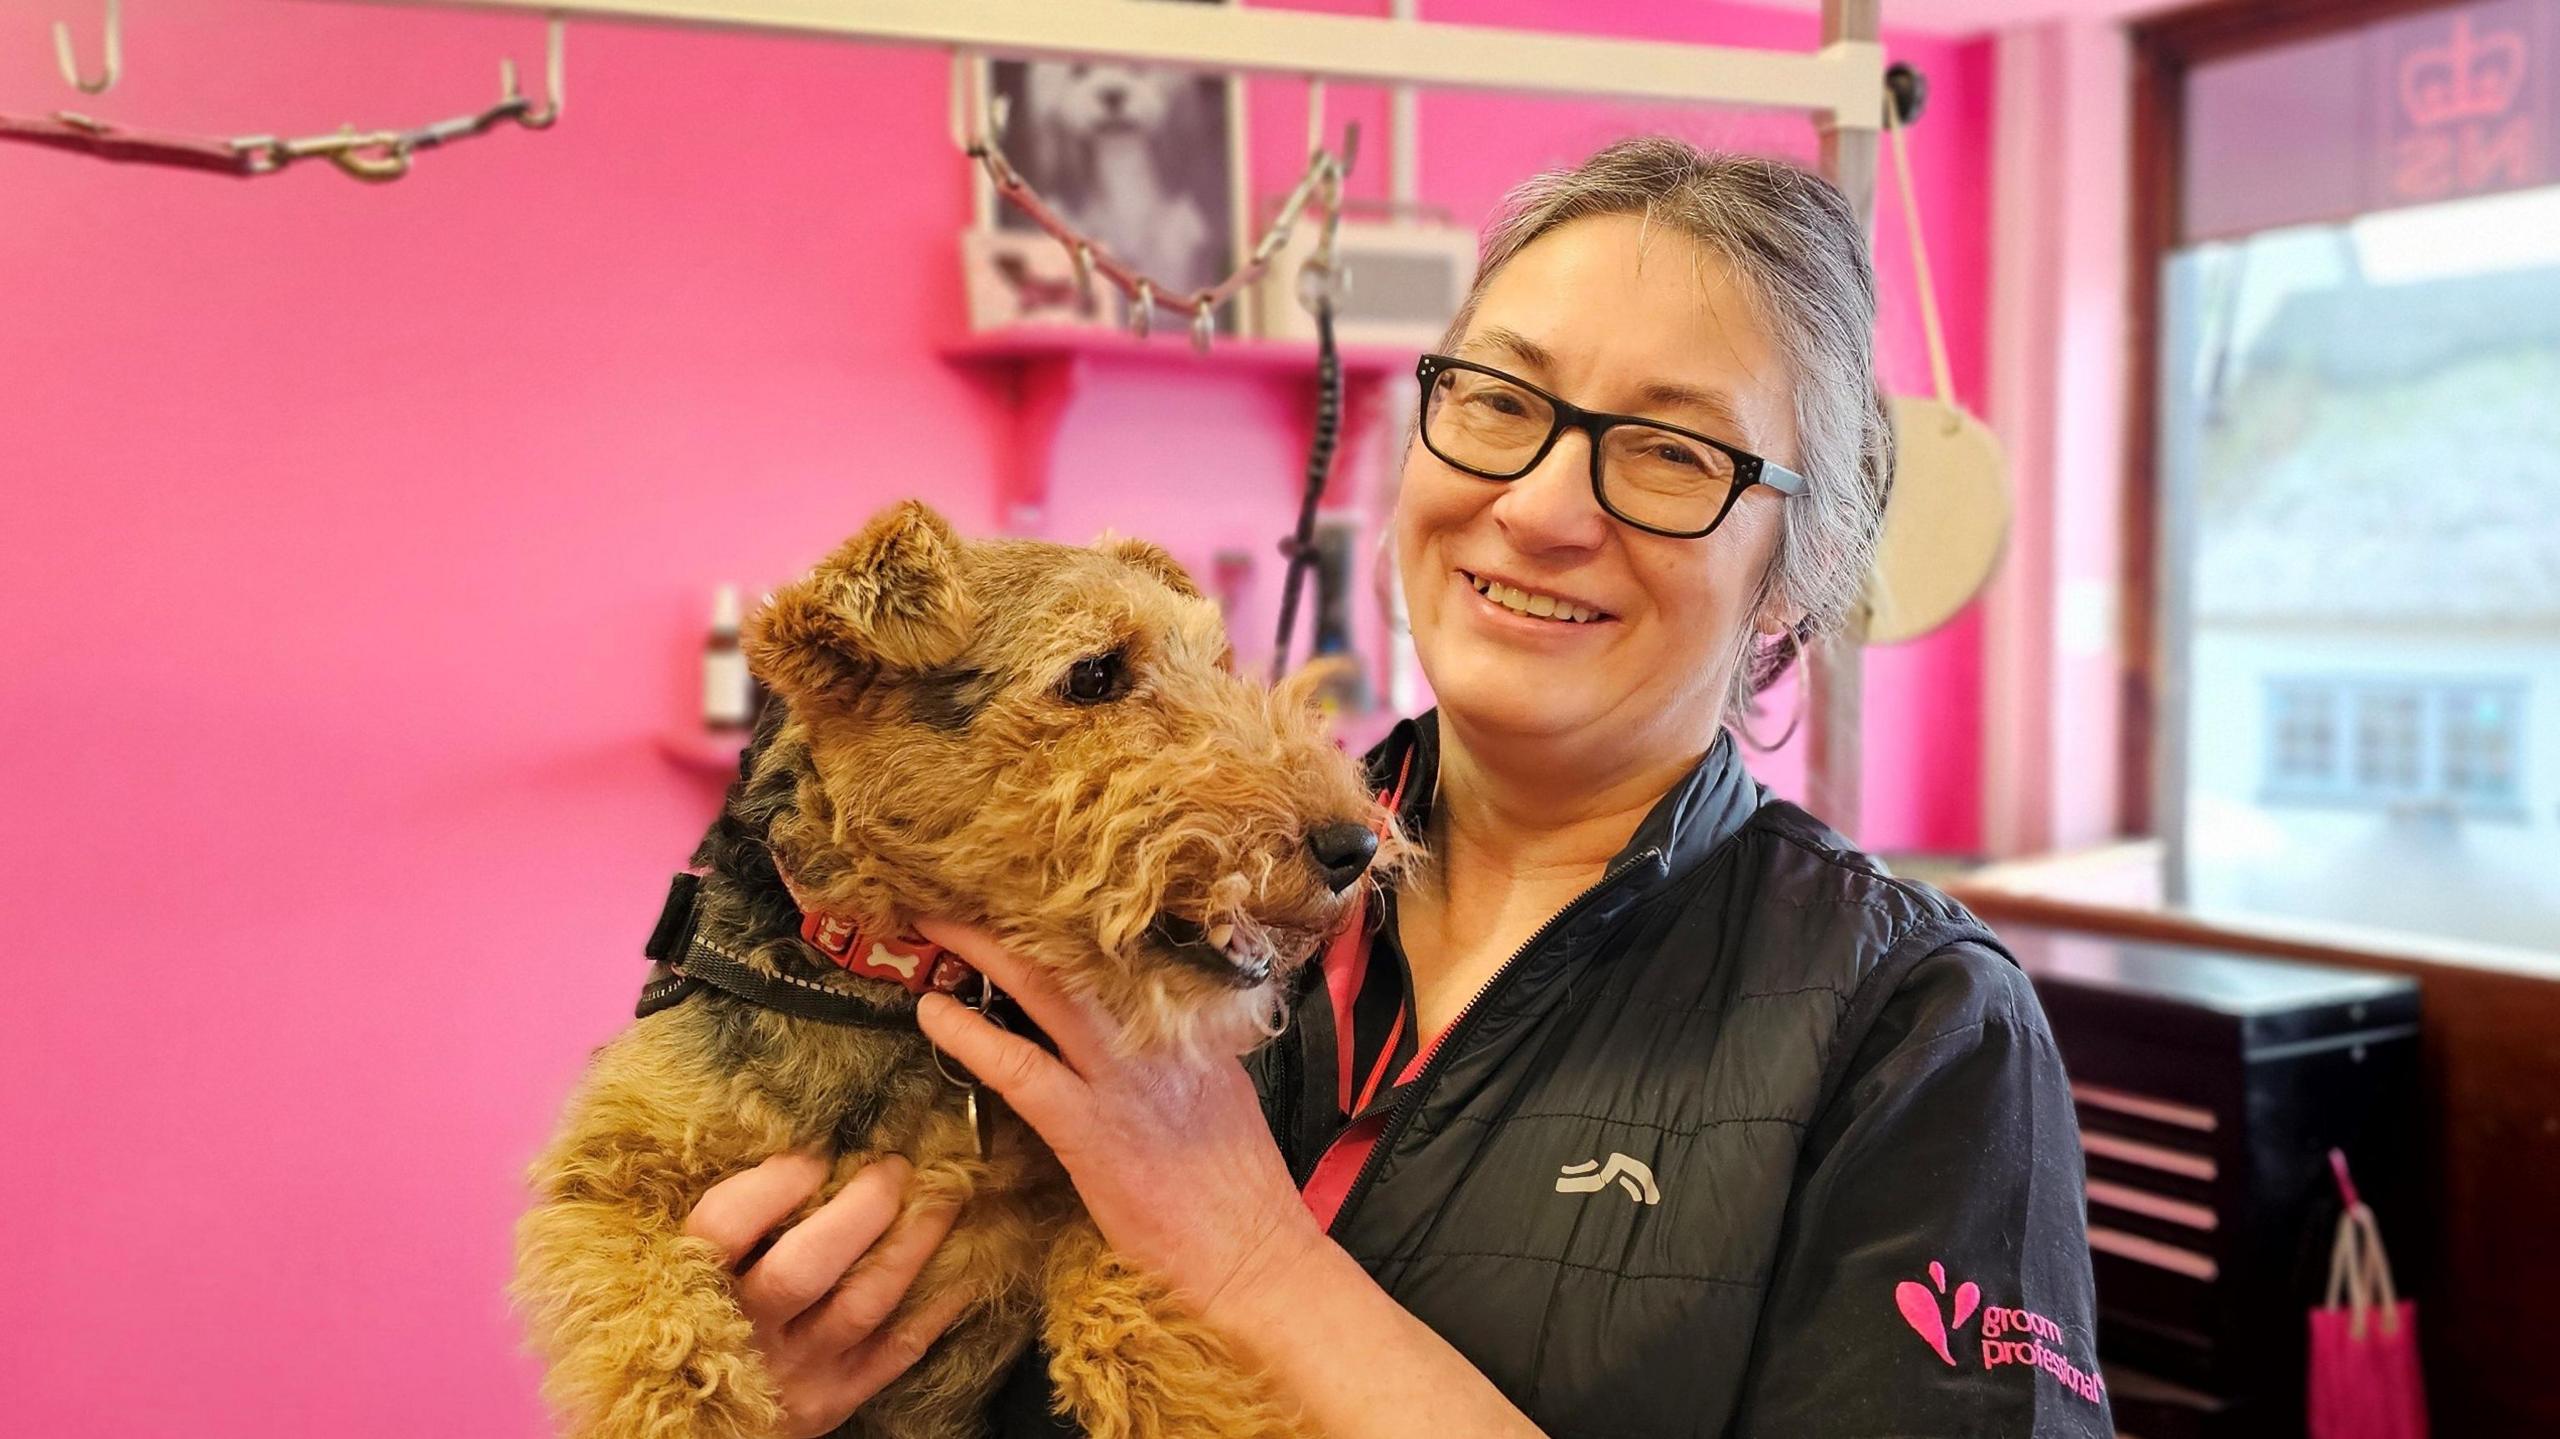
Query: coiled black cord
{"type": "Point", "coordinates": [1301, 547]}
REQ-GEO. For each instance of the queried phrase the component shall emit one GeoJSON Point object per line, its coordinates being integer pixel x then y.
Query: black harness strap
{"type": "Point", "coordinates": [686, 962]}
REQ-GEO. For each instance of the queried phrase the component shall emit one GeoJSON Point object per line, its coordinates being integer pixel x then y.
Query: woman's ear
{"type": "Point", "coordinates": [889, 600]}
{"type": "Point", "coordinates": [1771, 623]}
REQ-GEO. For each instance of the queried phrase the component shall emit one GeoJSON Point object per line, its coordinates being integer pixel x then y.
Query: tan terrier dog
{"type": "Point", "coordinates": [1043, 740]}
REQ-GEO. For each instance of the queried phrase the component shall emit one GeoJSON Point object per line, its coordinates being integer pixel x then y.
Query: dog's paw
{"type": "Point", "coordinates": [652, 1346]}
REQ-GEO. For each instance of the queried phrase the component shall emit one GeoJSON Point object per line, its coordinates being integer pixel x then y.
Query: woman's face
{"type": "Point", "coordinates": [1611, 317]}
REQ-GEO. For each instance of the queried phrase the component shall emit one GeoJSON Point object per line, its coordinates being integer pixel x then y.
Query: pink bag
{"type": "Point", "coordinates": [2364, 1351]}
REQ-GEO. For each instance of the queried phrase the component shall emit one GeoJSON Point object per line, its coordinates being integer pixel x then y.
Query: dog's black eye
{"type": "Point", "coordinates": [1098, 680]}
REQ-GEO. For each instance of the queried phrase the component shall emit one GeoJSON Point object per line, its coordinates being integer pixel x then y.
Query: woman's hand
{"type": "Point", "coordinates": [821, 1295]}
{"type": "Point", "coordinates": [1174, 1161]}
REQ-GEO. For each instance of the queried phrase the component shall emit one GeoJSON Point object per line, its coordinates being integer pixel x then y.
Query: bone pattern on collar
{"type": "Point", "coordinates": [910, 961]}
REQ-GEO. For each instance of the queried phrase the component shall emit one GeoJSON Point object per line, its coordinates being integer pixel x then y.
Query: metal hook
{"type": "Point", "coordinates": [375, 161]}
{"type": "Point", "coordinates": [1204, 325]}
{"type": "Point", "coordinates": [1315, 113]}
{"type": "Point", "coordinates": [555, 81]}
{"type": "Point", "coordinates": [988, 144]}
{"type": "Point", "coordinates": [1142, 316]}
{"type": "Point", "coordinates": [115, 53]}
{"type": "Point", "coordinates": [1085, 296]}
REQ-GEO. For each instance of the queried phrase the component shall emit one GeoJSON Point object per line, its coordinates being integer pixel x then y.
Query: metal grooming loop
{"type": "Point", "coordinates": [371, 155]}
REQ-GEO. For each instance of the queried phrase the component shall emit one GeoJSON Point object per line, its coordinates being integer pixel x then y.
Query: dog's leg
{"type": "Point", "coordinates": [636, 1320]}
{"type": "Point", "coordinates": [634, 1317]}
{"type": "Point", "coordinates": [1130, 1365]}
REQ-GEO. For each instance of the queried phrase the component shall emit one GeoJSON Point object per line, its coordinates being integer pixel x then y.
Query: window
{"type": "Point", "coordinates": [2416, 748]}
{"type": "Point", "coordinates": [2306, 736]}
{"type": "Point", "coordinates": [2483, 730]}
{"type": "Point", "coordinates": [2358, 452]}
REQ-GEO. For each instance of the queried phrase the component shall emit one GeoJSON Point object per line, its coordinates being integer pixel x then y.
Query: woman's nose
{"type": "Point", "coordinates": [1552, 506]}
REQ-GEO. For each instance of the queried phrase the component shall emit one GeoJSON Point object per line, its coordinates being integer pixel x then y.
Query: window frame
{"type": "Point", "coordinates": [2164, 51]}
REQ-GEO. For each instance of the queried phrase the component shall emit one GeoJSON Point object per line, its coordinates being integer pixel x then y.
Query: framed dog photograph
{"type": "Point", "coordinates": [1149, 161]}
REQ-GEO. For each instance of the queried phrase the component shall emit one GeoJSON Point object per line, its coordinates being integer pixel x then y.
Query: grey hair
{"type": "Point", "coordinates": [1797, 246]}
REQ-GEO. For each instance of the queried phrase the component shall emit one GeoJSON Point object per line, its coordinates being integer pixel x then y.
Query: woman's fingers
{"type": "Point", "coordinates": [1041, 1089]}
{"type": "Point", "coordinates": [805, 1263]}
{"type": "Point", "coordinates": [740, 1210]}
{"type": "Point", "coordinates": [986, 953]}
{"type": "Point", "coordinates": [893, 1351]}
{"type": "Point", "coordinates": [868, 1295]}
{"type": "Point", "coordinates": [1078, 1030]}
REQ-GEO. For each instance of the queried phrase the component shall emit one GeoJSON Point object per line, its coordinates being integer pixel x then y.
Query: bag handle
{"type": "Point", "coordinates": [2360, 1273]}
{"type": "Point", "coordinates": [2359, 1267]}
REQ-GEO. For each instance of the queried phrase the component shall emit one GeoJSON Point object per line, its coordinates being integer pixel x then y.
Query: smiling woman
{"type": "Point", "coordinates": [1643, 1103]}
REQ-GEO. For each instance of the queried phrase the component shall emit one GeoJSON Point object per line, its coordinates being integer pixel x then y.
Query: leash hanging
{"type": "Point", "coordinates": [369, 155]}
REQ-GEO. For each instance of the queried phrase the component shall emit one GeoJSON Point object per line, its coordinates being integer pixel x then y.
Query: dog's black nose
{"type": "Point", "coordinates": [1343, 852]}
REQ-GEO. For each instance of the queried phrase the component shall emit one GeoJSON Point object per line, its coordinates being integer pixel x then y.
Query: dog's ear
{"type": "Point", "coordinates": [888, 601]}
{"type": "Point", "coordinates": [1152, 558]}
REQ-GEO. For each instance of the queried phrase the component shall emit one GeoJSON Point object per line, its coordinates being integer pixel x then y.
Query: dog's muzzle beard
{"type": "Point", "coordinates": [1246, 956]}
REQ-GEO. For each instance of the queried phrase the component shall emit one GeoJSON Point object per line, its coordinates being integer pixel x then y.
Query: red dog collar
{"type": "Point", "coordinates": [910, 961]}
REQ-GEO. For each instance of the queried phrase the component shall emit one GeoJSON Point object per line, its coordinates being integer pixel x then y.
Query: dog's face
{"type": "Point", "coordinates": [1050, 741]}
{"type": "Point", "coordinates": [1086, 100]}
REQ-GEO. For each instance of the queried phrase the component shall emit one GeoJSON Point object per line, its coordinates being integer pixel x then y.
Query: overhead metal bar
{"type": "Point", "coordinates": [1837, 85]}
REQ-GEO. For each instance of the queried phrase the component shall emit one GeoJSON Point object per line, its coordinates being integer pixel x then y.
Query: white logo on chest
{"type": "Point", "coordinates": [1591, 1175]}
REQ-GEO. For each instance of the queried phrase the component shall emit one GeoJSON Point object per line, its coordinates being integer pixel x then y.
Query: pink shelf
{"type": "Point", "coordinates": [1170, 346]}
{"type": "Point", "coordinates": [1041, 370]}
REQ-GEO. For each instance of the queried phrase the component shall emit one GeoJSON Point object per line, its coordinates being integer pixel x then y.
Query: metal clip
{"type": "Point", "coordinates": [1142, 314]}
{"type": "Point", "coordinates": [985, 1002]}
{"type": "Point", "coordinates": [1320, 284]}
{"type": "Point", "coordinates": [555, 83]}
{"type": "Point", "coordinates": [1204, 325]}
{"type": "Point", "coordinates": [1086, 296]}
{"type": "Point", "coordinates": [374, 159]}
{"type": "Point", "coordinates": [980, 1113]}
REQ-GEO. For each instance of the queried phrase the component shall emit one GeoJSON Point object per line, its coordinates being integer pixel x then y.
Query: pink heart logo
{"type": "Point", "coordinates": [1920, 1308]}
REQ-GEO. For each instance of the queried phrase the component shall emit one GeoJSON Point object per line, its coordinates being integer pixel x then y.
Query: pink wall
{"type": "Point", "coordinates": [359, 543]}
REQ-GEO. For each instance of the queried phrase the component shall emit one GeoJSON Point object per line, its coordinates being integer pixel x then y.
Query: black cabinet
{"type": "Point", "coordinates": [2210, 1089]}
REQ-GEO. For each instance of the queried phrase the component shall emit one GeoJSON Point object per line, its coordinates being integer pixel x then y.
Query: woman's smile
{"type": "Point", "coordinates": [1543, 607]}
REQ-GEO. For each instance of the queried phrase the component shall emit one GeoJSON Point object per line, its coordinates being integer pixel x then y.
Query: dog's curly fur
{"type": "Point", "coordinates": [923, 755]}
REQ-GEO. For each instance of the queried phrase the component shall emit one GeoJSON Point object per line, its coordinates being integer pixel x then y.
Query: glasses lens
{"type": "Point", "coordinates": [1668, 481]}
{"type": "Point", "coordinates": [1482, 422]}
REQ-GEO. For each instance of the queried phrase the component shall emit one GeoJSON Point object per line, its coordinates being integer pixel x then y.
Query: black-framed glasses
{"type": "Point", "coordinates": [1656, 477]}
